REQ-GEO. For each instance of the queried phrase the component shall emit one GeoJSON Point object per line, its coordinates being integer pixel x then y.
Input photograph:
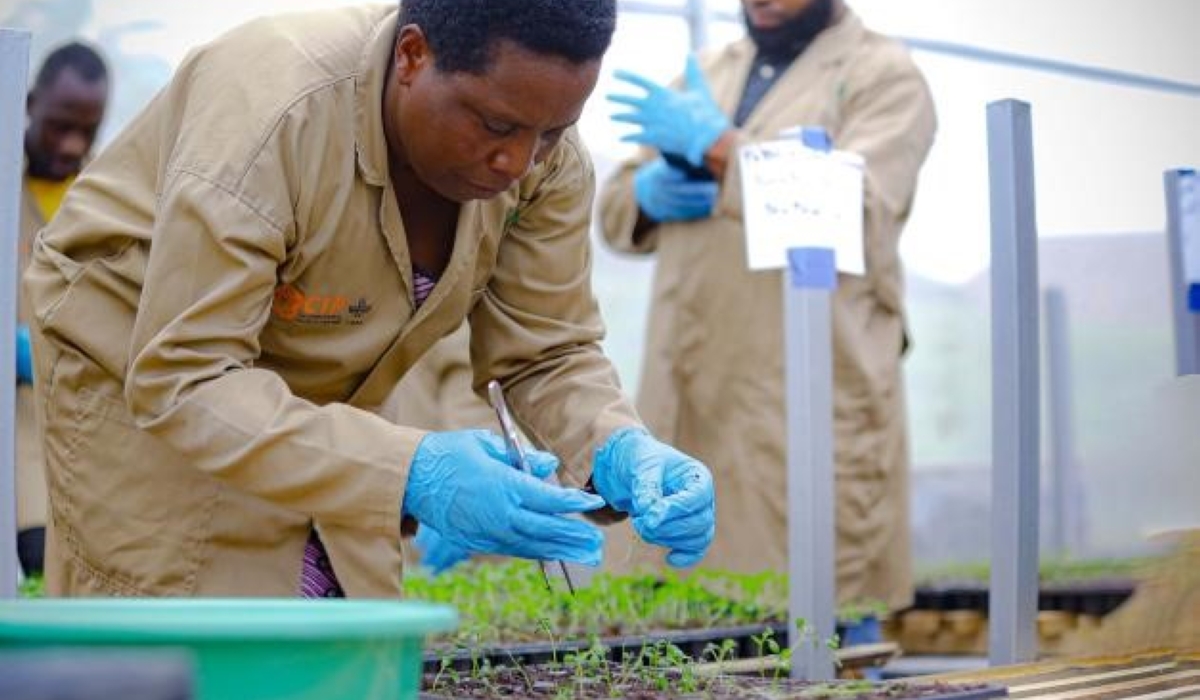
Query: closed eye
{"type": "Point", "coordinates": [498, 128]}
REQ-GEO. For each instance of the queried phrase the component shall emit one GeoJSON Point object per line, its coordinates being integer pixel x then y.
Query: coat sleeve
{"type": "Point", "coordinates": [537, 326]}
{"type": "Point", "coordinates": [887, 117]}
{"type": "Point", "coordinates": [618, 212]}
{"type": "Point", "coordinates": [192, 380]}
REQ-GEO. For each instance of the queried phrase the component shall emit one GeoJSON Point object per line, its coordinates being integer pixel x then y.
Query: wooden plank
{"type": "Point", "coordinates": [1183, 679]}
{"type": "Point", "coordinates": [1075, 679]}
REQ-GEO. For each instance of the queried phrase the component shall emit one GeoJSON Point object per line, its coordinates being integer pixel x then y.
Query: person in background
{"type": "Point", "coordinates": [712, 378]}
{"type": "Point", "coordinates": [64, 110]}
{"type": "Point", "coordinates": [234, 287]}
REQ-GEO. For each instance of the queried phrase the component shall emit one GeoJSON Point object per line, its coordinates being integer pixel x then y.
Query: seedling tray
{"type": "Point", "coordinates": [567, 681]}
{"type": "Point", "coordinates": [1088, 598]}
{"type": "Point", "coordinates": [692, 643]}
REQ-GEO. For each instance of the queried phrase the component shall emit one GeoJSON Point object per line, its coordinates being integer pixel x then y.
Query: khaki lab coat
{"type": "Point", "coordinates": [712, 379]}
{"type": "Point", "coordinates": [437, 394]}
{"type": "Point", "coordinates": [225, 298]}
{"type": "Point", "coordinates": [31, 483]}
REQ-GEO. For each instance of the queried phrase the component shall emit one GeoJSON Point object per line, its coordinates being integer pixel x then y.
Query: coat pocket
{"type": "Point", "coordinates": [127, 507]}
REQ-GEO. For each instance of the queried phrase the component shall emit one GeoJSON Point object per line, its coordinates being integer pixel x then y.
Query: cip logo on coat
{"type": "Point", "coordinates": [292, 304]}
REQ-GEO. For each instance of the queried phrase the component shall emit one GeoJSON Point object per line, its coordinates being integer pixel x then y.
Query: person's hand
{"type": "Point", "coordinates": [24, 356]}
{"type": "Point", "coordinates": [461, 484]}
{"type": "Point", "coordinates": [437, 554]}
{"type": "Point", "coordinates": [668, 494]}
{"type": "Point", "coordinates": [666, 194]}
{"type": "Point", "coordinates": [686, 122]}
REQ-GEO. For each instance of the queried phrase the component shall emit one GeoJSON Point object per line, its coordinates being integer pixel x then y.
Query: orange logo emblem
{"type": "Point", "coordinates": [290, 304]}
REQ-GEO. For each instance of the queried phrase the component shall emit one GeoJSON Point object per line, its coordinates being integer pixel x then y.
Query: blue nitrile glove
{"type": "Point", "coordinates": [461, 484]}
{"type": "Point", "coordinates": [668, 494]}
{"type": "Point", "coordinates": [686, 122]}
{"type": "Point", "coordinates": [666, 193]}
{"type": "Point", "coordinates": [24, 356]}
{"type": "Point", "coordinates": [437, 554]}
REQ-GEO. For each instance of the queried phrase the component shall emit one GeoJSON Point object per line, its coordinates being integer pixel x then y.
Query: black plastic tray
{"type": "Point", "coordinates": [691, 642]}
{"type": "Point", "coordinates": [1091, 598]}
{"type": "Point", "coordinates": [950, 692]}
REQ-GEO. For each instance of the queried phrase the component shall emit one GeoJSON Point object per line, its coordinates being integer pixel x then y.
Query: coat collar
{"type": "Point", "coordinates": [373, 71]}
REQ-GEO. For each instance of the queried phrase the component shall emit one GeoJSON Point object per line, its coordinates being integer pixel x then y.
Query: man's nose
{"type": "Point", "coordinates": [515, 158]}
{"type": "Point", "coordinates": [74, 145]}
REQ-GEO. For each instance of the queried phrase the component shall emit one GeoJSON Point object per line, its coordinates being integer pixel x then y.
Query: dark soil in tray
{"type": "Point", "coordinates": [567, 682]}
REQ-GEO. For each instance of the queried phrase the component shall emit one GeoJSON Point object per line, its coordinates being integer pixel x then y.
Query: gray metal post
{"type": "Point", "coordinates": [808, 378]}
{"type": "Point", "coordinates": [1015, 438]}
{"type": "Point", "coordinates": [1066, 492]}
{"type": "Point", "coordinates": [14, 66]}
{"type": "Point", "coordinates": [1183, 241]}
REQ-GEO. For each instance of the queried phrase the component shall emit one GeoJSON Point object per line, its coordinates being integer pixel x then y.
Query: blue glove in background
{"type": "Point", "coordinates": [24, 356]}
{"type": "Point", "coordinates": [461, 484]}
{"type": "Point", "coordinates": [686, 122]}
{"type": "Point", "coordinates": [437, 554]}
{"type": "Point", "coordinates": [666, 193]}
{"type": "Point", "coordinates": [668, 494]}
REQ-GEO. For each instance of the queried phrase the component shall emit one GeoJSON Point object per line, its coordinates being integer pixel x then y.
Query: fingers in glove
{"type": "Point", "coordinates": [694, 77]}
{"type": "Point", "coordinates": [685, 196]}
{"type": "Point", "coordinates": [671, 532]}
{"type": "Point", "coordinates": [542, 497]}
{"type": "Point", "coordinates": [548, 537]}
{"type": "Point", "coordinates": [644, 83]}
{"type": "Point", "coordinates": [692, 492]}
{"type": "Point", "coordinates": [647, 486]}
{"type": "Point", "coordinates": [683, 560]}
{"type": "Point", "coordinates": [444, 557]}
{"type": "Point", "coordinates": [492, 445]}
{"type": "Point", "coordinates": [543, 464]}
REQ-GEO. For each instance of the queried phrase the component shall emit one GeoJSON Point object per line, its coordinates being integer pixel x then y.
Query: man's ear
{"type": "Point", "coordinates": [411, 53]}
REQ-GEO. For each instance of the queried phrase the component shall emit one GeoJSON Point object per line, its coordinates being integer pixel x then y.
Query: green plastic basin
{"type": "Point", "coordinates": [250, 649]}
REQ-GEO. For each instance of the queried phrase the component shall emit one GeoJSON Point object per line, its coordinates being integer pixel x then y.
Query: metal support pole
{"type": "Point", "coordinates": [1066, 488]}
{"type": "Point", "coordinates": [14, 66]}
{"type": "Point", "coordinates": [1183, 244]}
{"type": "Point", "coordinates": [1015, 410]}
{"type": "Point", "coordinates": [808, 377]}
{"type": "Point", "coordinates": [697, 16]}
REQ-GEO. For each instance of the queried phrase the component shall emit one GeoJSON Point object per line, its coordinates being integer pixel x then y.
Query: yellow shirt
{"type": "Point", "coordinates": [48, 194]}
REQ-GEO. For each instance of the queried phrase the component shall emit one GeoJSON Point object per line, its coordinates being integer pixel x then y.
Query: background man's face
{"type": "Point", "coordinates": [63, 119]}
{"type": "Point", "coordinates": [769, 14]}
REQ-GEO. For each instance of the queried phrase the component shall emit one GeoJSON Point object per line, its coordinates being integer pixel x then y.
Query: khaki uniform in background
{"type": "Point", "coordinates": [31, 482]}
{"type": "Point", "coordinates": [712, 378]}
{"type": "Point", "coordinates": [211, 352]}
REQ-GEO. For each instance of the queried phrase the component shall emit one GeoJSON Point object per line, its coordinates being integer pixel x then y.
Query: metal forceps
{"type": "Point", "coordinates": [516, 456]}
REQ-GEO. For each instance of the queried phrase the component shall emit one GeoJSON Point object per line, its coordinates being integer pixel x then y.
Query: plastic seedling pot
{"type": "Point", "coordinates": [249, 649]}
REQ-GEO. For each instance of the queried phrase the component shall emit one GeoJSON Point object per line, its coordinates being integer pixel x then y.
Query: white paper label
{"type": "Point", "coordinates": [797, 197]}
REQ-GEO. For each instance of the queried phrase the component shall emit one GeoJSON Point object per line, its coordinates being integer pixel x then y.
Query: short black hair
{"type": "Point", "coordinates": [462, 32]}
{"type": "Point", "coordinates": [76, 55]}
